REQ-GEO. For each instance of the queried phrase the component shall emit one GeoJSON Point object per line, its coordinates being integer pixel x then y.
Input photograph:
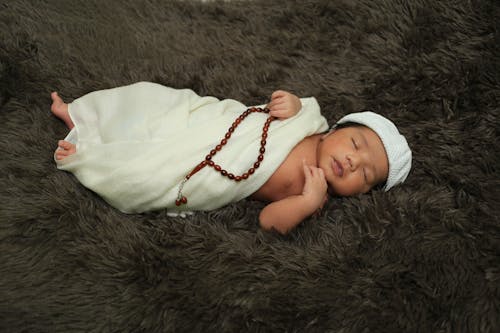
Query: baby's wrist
{"type": "Point", "coordinates": [311, 203]}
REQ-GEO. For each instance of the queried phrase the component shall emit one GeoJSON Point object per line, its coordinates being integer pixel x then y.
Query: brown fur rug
{"type": "Point", "coordinates": [424, 257]}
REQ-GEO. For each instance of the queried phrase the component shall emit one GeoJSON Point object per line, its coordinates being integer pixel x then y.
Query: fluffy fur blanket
{"type": "Point", "coordinates": [424, 257]}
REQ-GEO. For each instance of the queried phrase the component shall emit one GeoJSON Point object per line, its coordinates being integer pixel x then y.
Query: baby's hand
{"type": "Point", "coordinates": [315, 187]}
{"type": "Point", "coordinates": [284, 104]}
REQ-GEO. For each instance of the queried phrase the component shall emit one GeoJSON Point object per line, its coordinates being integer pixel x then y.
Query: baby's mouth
{"type": "Point", "coordinates": [338, 170]}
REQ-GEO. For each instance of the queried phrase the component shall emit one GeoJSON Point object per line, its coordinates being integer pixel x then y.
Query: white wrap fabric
{"type": "Point", "coordinates": [135, 144]}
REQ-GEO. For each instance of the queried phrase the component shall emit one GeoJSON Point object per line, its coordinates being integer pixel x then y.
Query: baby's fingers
{"type": "Point", "coordinates": [314, 176]}
{"type": "Point", "coordinates": [278, 94]}
{"type": "Point", "coordinates": [278, 113]}
{"type": "Point", "coordinates": [316, 172]}
{"type": "Point", "coordinates": [319, 172]}
{"type": "Point", "coordinates": [275, 103]}
{"type": "Point", "coordinates": [307, 171]}
{"type": "Point", "coordinates": [318, 179]}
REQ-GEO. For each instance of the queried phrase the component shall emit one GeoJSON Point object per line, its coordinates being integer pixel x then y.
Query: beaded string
{"type": "Point", "coordinates": [182, 200]}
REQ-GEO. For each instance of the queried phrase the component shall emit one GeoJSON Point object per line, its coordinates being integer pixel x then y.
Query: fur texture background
{"type": "Point", "coordinates": [424, 257]}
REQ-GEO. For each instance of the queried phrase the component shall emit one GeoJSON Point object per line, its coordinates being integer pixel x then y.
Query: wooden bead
{"type": "Point", "coordinates": [260, 158]}
{"type": "Point", "coordinates": [256, 165]}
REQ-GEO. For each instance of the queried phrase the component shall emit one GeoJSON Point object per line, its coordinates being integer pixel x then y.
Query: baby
{"type": "Point", "coordinates": [361, 151]}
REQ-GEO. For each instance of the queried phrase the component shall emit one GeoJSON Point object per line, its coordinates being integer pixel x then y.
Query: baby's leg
{"type": "Point", "coordinates": [65, 149]}
{"type": "Point", "coordinates": [60, 110]}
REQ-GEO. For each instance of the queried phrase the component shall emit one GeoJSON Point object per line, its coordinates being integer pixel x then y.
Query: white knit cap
{"type": "Point", "coordinates": [396, 147]}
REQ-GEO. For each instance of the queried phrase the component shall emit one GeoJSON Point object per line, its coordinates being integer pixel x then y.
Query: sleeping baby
{"type": "Point", "coordinates": [146, 147]}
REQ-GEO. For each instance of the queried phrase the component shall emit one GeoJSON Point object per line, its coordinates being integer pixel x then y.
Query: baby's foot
{"type": "Point", "coordinates": [60, 110]}
{"type": "Point", "coordinates": [65, 149]}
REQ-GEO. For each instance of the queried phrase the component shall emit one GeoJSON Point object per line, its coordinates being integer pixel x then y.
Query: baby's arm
{"type": "Point", "coordinates": [284, 104]}
{"type": "Point", "coordinates": [285, 214]}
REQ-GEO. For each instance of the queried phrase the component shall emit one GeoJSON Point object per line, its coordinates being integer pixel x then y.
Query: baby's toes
{"type": "Point", "coordinates": [64, 144]}
{"type": "Point", "coordinates": [60, 154]}
{"type": "Point", "coordinates": [55, 98]}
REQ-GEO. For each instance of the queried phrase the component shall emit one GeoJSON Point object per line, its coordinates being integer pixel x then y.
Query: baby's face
{"type": "Point", "coordinates": [353, 160]}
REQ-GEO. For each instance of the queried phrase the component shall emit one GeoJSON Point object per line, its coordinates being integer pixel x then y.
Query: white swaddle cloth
{"type": "Point", "coordinates": [135, 144]}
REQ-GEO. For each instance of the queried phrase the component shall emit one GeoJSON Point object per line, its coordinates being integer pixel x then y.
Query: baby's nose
{"type": "Point", "coordinates": [353, 161]}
